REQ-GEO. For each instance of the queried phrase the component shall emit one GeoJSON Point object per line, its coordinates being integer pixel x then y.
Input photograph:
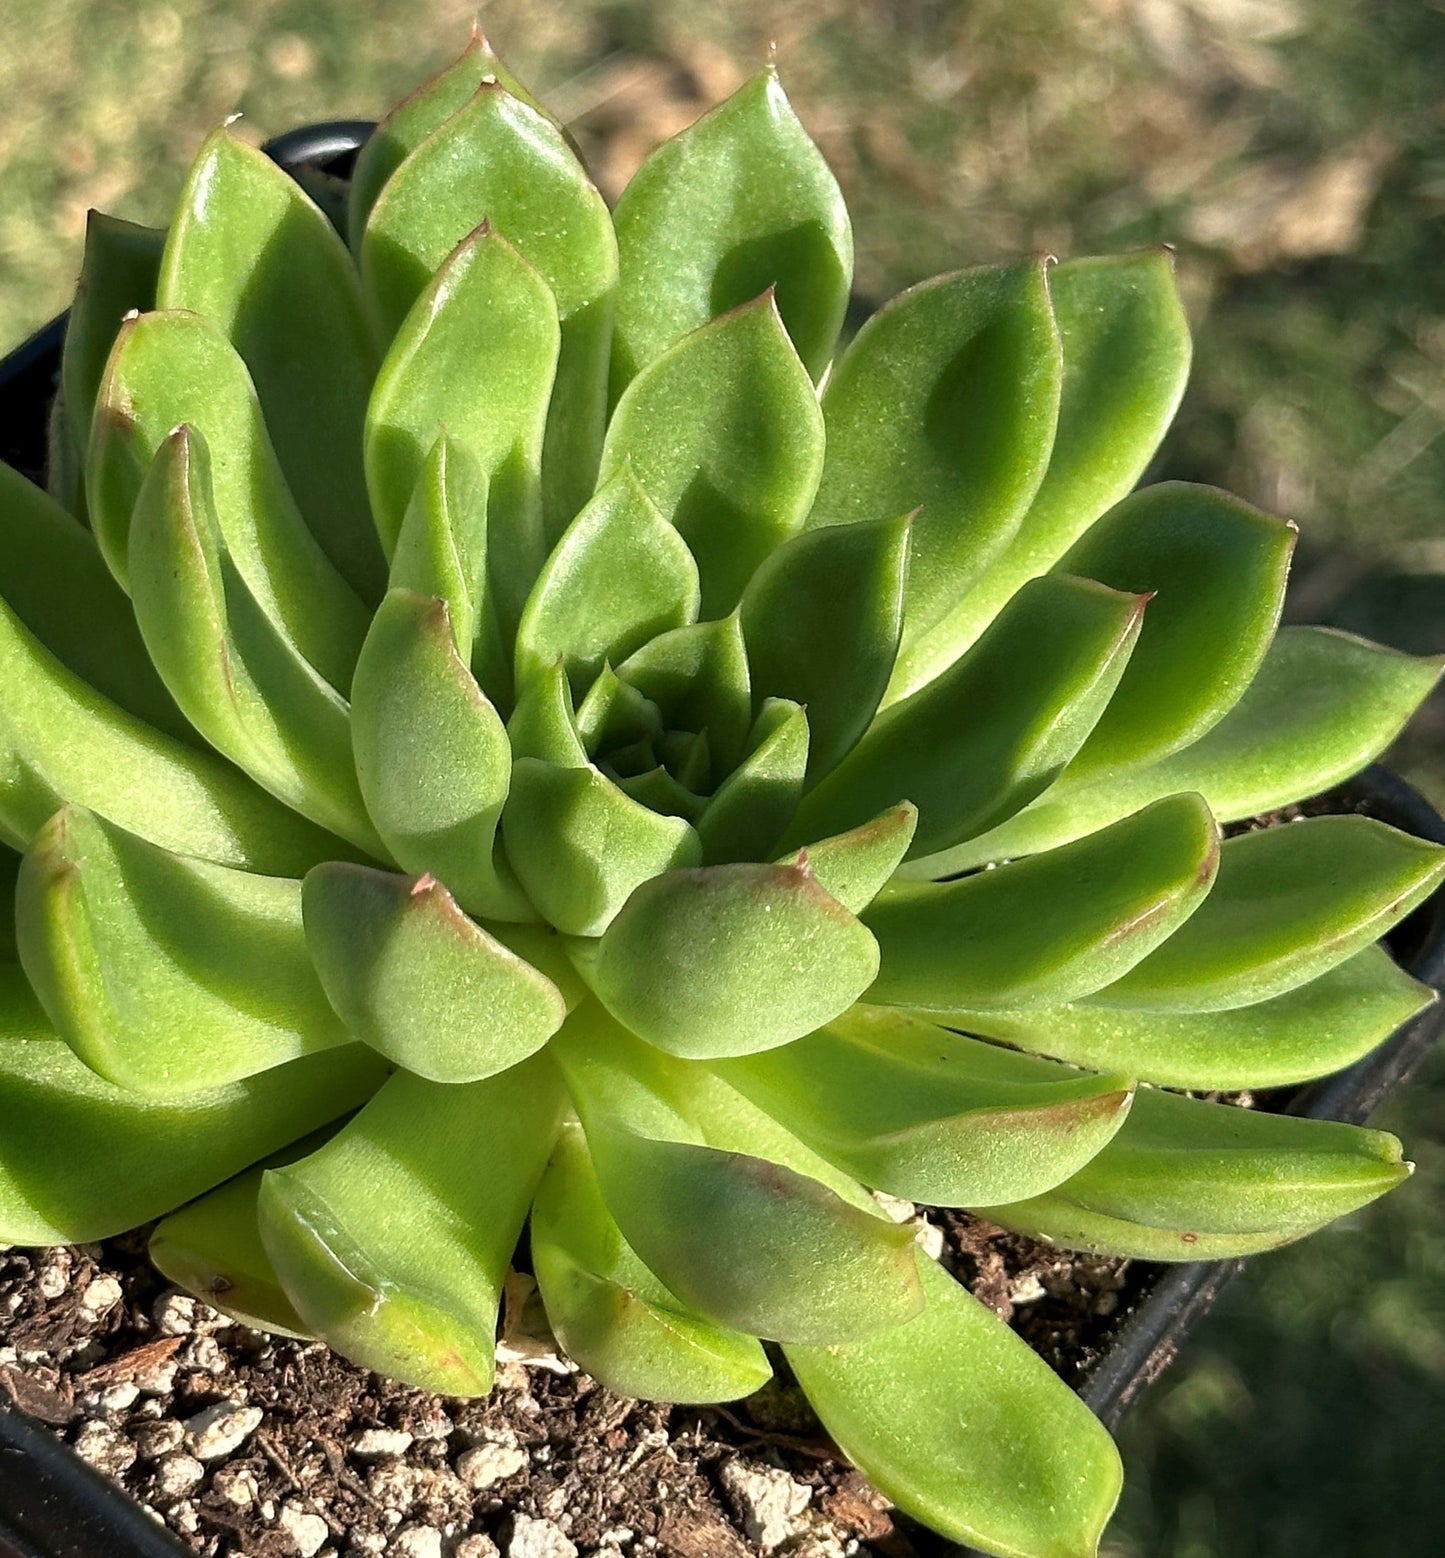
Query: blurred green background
{"type": "Point", "coordinates": [1294, 152]}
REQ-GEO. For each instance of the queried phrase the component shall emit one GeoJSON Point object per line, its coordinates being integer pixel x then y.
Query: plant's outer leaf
{"type": "Point", "coordinates": [1215, 569]}
{"type": "Point", "coordinates": [908, 1108]}
{"type": "Point", "coordinates": [432, 756]}
{"type": "Point", "coordinates": [64, 461]}
{"type": "Point", "coordinates": [1126, 359]}
{"type": "Point", "coordinates": [53, 578]}
{"type": "Point", "coordinates": [543, 725]}
{"type": "Point", "coordinates": [609, 1311]}
{"type": "Point", "coordinates": [252, 252]}
{"type": "Point", "coordinates": [784, 1254]}
{"type": "Point", "coordinates": [698, 678]}
{"type": "Point", "coordinates": [170, 368]}
{"type": "Point", "coordinates": [486, 304]}
{"type": "Point", "coordinates": [619, 576]}
{"type": "Point", "coordinates": [945, 400]}
{"type": "Point", "coordinates": [117, 275]}
{"type": "Point", "coordinates": [544, 948]}
{"type": "Point", "coordinates": [996, 729]}
{"type": "Point", "coordinates": [580, 844]}
{"type": "Point", "coordinates": [164, 974]}
{"type": "Point", "coordinates": [856, 866]}
{"type": "Point", "coordinates": [212, 1248]}
{"type": "Point", "coordinates": [730, 959]}
{"type": "Point", "coordinates": [1181, 1170]}
{"type": "Point", "coordinates": [1310, 1031]}
{"type": "Point", "coordinates": [1322, 705]}
{"type": "Point", "coordinates": [739, 202]}
{"type": "Point", "coordinates": [231, 670]}
{"type": "Point", "coordinates": [751, 808]}
{"type": "Point", "coordinates": [821, 619]}
{"type": "Point", "coordinates": [61, 741]}
{"type": "Point", "coordinates": [416, 117]}
{"type": "Point", "coordinates": [412, 976]}
{"type": "Point", "coordinates": [1053, 927]}
{"type": "Point", "coordinates": [392, 1241]}
{"type": "Point", "coordinates": [82, 1159]}
{"type": "Point", "coordinates": [500, 159]}
{"type": "Point", "coordinates": [725, 434]}
{"type": "Point", "coordinates": [614, 713]}
{"type": "Point", "coordinates": [1289, 903]}
{"type": "Point", "coordinates": [963, 1426]}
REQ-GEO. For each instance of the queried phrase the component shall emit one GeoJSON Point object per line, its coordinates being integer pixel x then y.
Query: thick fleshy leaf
{"type": "Point", "coordinates": [165, 974]}
{"type": "Point", "coordinates": [739, 202]}
{"type": "Point", "coordinates": [966, 1428]}
{"type": "Point", "coordinates": [486, 304]}
{"type": "Point", "coordinates": [856, 866]}
{"type": "Point", "coordinates": [1322, 705]}
{"type": "Point", "coordinates": [64, 461]}
{"type": "Point", "coordinates": [170, 368]}
{"type": "Point", "coordinates": [698, 677]}
{"type": "Point", "coordinates": [543, 725]}
{"type": "Point", "coordinates": [750, 810]}
{"type": "Point", "coordinates": [1053, 927]}
{"type": "Point", "coordinates": [725, 435]}
{"type": "Point", "coordinates": [609, 1311]}
{"type": "Point", "coordinates": [785, 1256]}
{"type": "Point", "coordinates": [82, 1159]}
{"type": "Point", "coordinates": [1181, 1169]}
{"type": "Point", "coordinates": [61, 741]}
{"type": "Point", "coordinates": [54, 579]}
{"type": "Point", "coordinates": [500, 159]}
{"type": "Point", "coordinates": [441, 549]}
{"type": "Point", "coordinates": [412, 976]}
{"type": "Point", "coordinates": [822, 618]}
{"type": "Point", "coordinates": [997, 727]}
{"type": "Point", "coordinates": [619, 576]}
{"type": "Point", "coordinates": [1289, 903]}
{"type": "Point", "coordinates": [231, 670]}
{"type": "Point", "coordinates": [117, 276]}
{"type": "Point", "coordinates": [580, 845]}
{"type": "Point", "coordinates": [1126, 359]}
{"type": "Point", "coordinates": [393, 1240]}
{"type": "Point", "coordinates": [1215, 571]}
{"type": "Point", "coordinates": [730, 959]}
{"type": "Point", "coordinates": [615, 714]}
{"type": "Point", "coordinates": [1307, 1032]}
{"type": "Point", "coordinates": [253, 253]}
{"type": "Point", "coordinates": [432, 756]}
{"type": "Point", "coordinates": [908, 1108]}
{"type": "Point", "coordinates": [945, 401]}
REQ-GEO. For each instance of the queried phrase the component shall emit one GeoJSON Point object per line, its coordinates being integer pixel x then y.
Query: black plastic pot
{"type": "Point", "coordinates": [53, 1505]}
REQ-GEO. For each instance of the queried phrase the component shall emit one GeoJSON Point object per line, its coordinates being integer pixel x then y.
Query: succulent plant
{"type": "Point", "coordinates": [513, 727]}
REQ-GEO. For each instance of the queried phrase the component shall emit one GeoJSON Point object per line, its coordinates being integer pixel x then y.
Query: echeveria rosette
{"type": "Point", "coordinates": [502, 742]}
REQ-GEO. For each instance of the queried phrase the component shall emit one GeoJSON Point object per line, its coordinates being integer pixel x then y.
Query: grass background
{"type": "Point", "coordinates": [1294, 152]}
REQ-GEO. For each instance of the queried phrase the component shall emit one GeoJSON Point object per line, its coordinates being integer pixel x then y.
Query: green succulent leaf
{"type": "Point", "coordinates": [724, 433]}
{"type": "Point", "coordinates": [392, 1241]}
{"type": "Point", "coordinates": [610, 1312]}
{"type": "Point", "coordinates": [908, 1108]}
{"type": "Point", "coordinates": [1052, 927]}
{"type": "Point", "coordinates": [409, 974]}
{"type": "Point", "coordinates": [1310, 1031]}
{"type": "Point", "coordinates": [83, 1159]}
{"type": "Point", "coordinates": [619, 576]}
{"type": "Point", "coordinates": [117, 277]}
{"type": "Point", "coordinates": [432, 756]}
{"type": "Point", "coordinates": [237, 678]}
{"type": "Point", "coordinates": [615, 714]}
{"type": "Point", "coordinates": [750, 810]}
{"type": "Point", "coordinates": [254, 254]}
{"type": "Point", "coordinates": [698, 678]}
{"type": "Point", "coordinates": [485, 304]}
{"type": "Point", "coordinates": [964, 1427]}
{"type": "Point", "coordinates": [173, 368]}
{"type": "Point", "coordinates": [1126, 358]}
{"type": "Point", "coordinates": [854, 867]}
{"type": "Point", "coordinates": [822, 618]}
{"type": "Point", "coordinates": [997, 727]}
{"type": "Point", "coordinates": [543, 725]}
{"type": "Point", "coordinates": [730, 959]}
{"type": "Point", "coordinates": [1289, 903]}
{"type": "Point", "coordinates": [946, 400]}
{"type": "Point", "coordinates": [740, 202]}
